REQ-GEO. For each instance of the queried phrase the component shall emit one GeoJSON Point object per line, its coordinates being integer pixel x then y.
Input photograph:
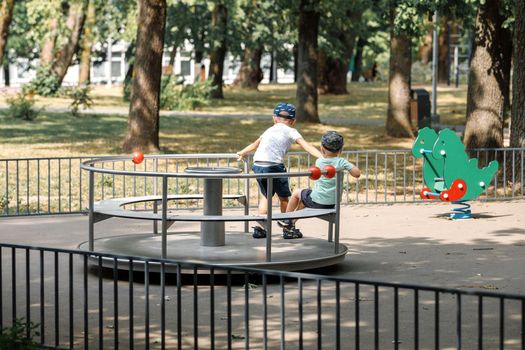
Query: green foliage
{"type": "Point", "coordinates": [107, 181]}
{"type": "Point", "coordinates": [175, 96]}
{"type": "Point", "coordinates": [340, 24]}
{"type": "Point", "coordinates": [38, 17]}
{"type": "Point", "coordinates": [267, 24]}
{"type": "Point", "coordinates": [4, 202]}
{"type": "Point", "coordinates": [44, 84]}
{"type": "Point", "coordinates": [421, 73]}
{"type": "Point", "coordinates": [19, 336]}
{"type": "Point", "coordinates": [126, 89]}
{"type": "Point", "coordinates": [21, 106]}
{"type": "Point", "coordinates": [19, 43]}
{"type": "Point", "coordinates": [182, 20]}
{"type": "Point", "coordinates": [80, 98]}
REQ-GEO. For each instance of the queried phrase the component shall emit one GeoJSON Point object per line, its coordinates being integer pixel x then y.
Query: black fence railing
{"type": "Point", "coordinates": [150, 303]}
{"type": "Point", "coordinates": [33, 186]}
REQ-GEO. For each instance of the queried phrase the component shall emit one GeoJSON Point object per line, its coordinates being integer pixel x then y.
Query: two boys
{"type": "Point", "coordinates": [270, 149]}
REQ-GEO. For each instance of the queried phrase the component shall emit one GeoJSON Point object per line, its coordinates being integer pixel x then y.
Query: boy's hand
{"type": "Point", "coordinates": [240, 156]}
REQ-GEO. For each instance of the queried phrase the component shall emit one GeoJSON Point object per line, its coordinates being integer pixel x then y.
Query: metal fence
{"type": "Point", "coordinates": [167, 304]}
{"type": "Point", "coordinates": [32, 186]}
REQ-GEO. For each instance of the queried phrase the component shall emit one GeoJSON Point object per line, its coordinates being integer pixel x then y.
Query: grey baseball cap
{"type": "Point", "coordinates": [332, 141]}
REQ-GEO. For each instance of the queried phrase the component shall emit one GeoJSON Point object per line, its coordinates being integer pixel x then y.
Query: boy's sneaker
{"type": "Point", "coordinates": [259, 232]}
{"type": "Point", "coordinates": [291, 233]}
{"type": "Point", "coordinates": [286, 223]}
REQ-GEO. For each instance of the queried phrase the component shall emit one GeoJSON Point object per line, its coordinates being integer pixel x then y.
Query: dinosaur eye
{"type": "Point", "coordinates": [442, 142]}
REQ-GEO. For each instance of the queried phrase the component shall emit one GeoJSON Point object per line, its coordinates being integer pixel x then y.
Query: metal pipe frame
{"type": "Point", "coordinates": [24, 192]}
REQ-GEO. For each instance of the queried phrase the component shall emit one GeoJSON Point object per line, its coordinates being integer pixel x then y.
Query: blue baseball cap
{"type": "Point", "coordinates": [332, 141]}
{"type": "Point", "coordinates": [284, 110]}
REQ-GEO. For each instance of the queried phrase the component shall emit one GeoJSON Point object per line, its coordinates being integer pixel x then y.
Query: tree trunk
{"type": "Point", "coordinates": [425, 48]}
{"type": "Point", "coordinates": [169, 70]}
{"type": "Point", "coordinates": [444, 52]}
{"type": "Point", "coordinates": [6, 14]}
{"type": "Point", "coordinates": [333, 73]}
{"type": "Point", "coordinates": [398, 116]}
{"type": "Point", "coordinates": [48, 47]}
{"type": "Point", "coordinates": [198, 65]}
{"type": "Point", "coordinates": [219, 19]}
{"type": "Point", "coordinates": [7, 75]}
{"type": "Point", "coordinates": [87, 44]}
{"type": "Point", "coordinates": [295, 62]}
{"type": "Point", "coordinates": [198, 46]}
{"type": "Point", "coordinates": [489, 79]}
{"type": "Point", "coordinates": [143, 120]}
{"type": "Point", "coordinates": [358, 59]}
{"type": "Point", "coordinates": [307, 61]}
{"type": "Point", "coordinates": [75, 23]}
{"type": "Point", "coordinates": [517, 126]}
{"type": "Point", "coordinates": [250, 74]}
{"type": "Point", "coordinates": [273, 69]}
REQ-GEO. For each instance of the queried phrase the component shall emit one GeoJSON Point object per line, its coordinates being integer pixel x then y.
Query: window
{"type": "Point", "coordinates": [99, 70]}
{"type": "Point", "coordinates": [22, 69]}
{"type": "Point", "coordinates": [185, 68]}
{"type": "Point", "coordinates": [115, 69]}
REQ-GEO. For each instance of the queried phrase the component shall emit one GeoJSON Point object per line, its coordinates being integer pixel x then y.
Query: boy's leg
{"type": "Point", "coordinates": [295, 201]}
{"type": "Point", "coordinates": [263, 205]}
{"type": "Point", "coordinates": [259, 231]}
{"type": "Point", "coordinates": [283, 201]}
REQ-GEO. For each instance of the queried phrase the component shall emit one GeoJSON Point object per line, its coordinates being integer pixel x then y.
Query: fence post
{"type": "Point", "coordinates": [247, 194]}
{"type": "Point", "coordinates": [91, 210]}
{"type": "Point", "coordinates": [338, 183]}
{"type": "Point", "coordinates": [269, 190]}
{"type": "Point", "coordinates": [164, 215]}
{"type": "Point", "coordinates": [155, 203]}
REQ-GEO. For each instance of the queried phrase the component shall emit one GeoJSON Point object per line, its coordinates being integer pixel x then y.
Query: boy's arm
{"type": "Point", "coordinates": [251, 147]}
{"type": "Point", "coordinates": [355, 172]}
{"type": "Point", "coordinates": [309, 148]}
{"type": "Point", "coordinates": [352, 169]}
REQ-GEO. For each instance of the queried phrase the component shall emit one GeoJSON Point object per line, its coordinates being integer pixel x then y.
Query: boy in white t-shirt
{"type": "Point", "coordinates": [270, 149]}
{"type": "Point", "coordinates": [323, 195]}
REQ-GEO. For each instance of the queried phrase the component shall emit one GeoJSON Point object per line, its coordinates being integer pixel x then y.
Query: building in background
{"type": "Point", "coordinates": [113, 69]}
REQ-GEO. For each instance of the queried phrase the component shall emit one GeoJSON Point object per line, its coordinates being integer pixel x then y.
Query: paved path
{"type": "Point", "coordinates": [410, 243]}
{"type": "Point", "coordinates": [397, 243]}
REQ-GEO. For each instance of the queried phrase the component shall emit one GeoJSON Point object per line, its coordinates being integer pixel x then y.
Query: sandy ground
{"type": "Point", "coordinates": [408, 243]}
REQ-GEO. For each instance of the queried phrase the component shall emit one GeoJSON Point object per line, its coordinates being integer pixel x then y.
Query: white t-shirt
{"type": "Point", "coordinates": [275, 142]}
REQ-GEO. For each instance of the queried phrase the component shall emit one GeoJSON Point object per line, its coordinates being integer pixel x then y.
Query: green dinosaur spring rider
{"type": "Point", "coordinates": [448, 173]}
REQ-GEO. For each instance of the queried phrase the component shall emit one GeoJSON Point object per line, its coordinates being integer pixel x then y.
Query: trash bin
{"type": "Point", "coordinates": [420, 108]}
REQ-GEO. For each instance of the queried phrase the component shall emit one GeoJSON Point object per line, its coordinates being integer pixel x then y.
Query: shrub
{"type": "Point", "coordinates": [175, 96]}
{"type": "Point", "coordinates": [19, 336]}
{"type": "Point", "coordinates": [421, 73]}
{"type": "Point", "coordinates": [4, 202]}
{"type": "Point", "coordinates": [45, 83]}
{"type": "Point", "coordinates": [21, 106]}
{"type": "Point", "coordinates": [126, 89]}
{"type": "Point", "coordinates": [80, 97]}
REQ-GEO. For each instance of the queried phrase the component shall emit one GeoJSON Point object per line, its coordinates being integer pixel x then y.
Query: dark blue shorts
{"type": "Point", "coordinates": [309, 203]}
{"type": "Point", "coordinates": [280, 185]}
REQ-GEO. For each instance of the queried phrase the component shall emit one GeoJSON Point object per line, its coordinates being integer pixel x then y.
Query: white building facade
{"type": "Point", "coordinates": [113, 69]}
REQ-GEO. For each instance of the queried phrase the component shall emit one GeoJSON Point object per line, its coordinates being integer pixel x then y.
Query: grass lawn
{"type": "Point", "coordinates": [64, 135]}
{"type": "Point", "coordinates": [61, 134]}
{"type": "Point", "coordinates": [365, 101]}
